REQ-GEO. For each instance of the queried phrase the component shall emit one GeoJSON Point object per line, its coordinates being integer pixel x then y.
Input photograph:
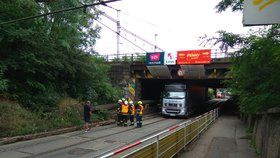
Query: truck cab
{"type": "Point", "coordinates": [175, 100]}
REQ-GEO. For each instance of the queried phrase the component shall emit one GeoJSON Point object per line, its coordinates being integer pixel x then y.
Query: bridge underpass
{"type": "Point", "coordinates": [102, 140]}
{"type": "Point", "coordinates": [152, 88]}
{"type": "Point", "coordinates": [149, 80]}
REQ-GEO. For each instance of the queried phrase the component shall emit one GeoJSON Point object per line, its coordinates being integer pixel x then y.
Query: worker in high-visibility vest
{"type": "Point", "coordinates": [124, 112]}
{"type": "Point", "coordinates": [131, 113]}
{"type": "Point", "coordinates": [139, 112]}
{"type": "Point", "coordinates": [119, 112]}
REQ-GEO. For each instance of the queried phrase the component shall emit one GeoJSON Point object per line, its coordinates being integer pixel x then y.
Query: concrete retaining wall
{"type": "Point", "coordinates": [266, 132]}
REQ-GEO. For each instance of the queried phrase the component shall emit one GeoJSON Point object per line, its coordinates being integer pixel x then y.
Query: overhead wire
{"type": "Point", "coordinates": [58, 11]}
{"type": "Point", "coordinates": [75, 8]}
{"type": "Point", "coordinates": [130, 32]}
{"type": "Point", "coordinates": [124, 29]}
{"type": "Point", "coordinates": [121, 36]}
{"type": "Point", "coordinates": [140, 19]}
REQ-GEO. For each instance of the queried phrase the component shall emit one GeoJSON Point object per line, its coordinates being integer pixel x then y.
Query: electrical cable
{"type": "Point", "coordinates": [130, 32]}
{"type": "Point", "coordinates": [141, 38]}
{"type": "Point", "coordinates": [58, 11]}
{"type": "Point", "coordinates": [142, 20]}
{"type": "Point", "coordinates": [121, 36]}
{"type": "Point", "coordinates": [109, 17]}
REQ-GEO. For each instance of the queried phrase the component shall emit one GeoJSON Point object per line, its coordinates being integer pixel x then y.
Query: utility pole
{"type": "Point", "coordinates": [118, 33]}
{"type": "Point", "coordinates": [156, 42]}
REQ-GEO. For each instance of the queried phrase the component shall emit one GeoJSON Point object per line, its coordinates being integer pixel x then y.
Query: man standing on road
{"type": "Point", "coordinates": [87, 114]}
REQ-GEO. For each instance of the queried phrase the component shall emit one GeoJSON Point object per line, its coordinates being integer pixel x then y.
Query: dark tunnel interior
{"type": "Point", "coordinates": [151, 89]}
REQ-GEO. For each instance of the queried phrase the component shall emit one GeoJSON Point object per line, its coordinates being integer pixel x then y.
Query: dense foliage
{"type": "Point", "coordinates": [47, 58]}
{"type": "Point", "coordinates": [16, 120]}
{"type": "Point", "coordinates": [235, 5]}
{"type": "Point", "coordinates": [256, 66]}
{"type": "Point", "coordinates": [256, 75]}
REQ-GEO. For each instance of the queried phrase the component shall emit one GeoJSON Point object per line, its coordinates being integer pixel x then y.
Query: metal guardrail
{"type": "Point", "coordinates": [168, 142]}
{"type": "Point", "coordinates": [124, 57]}
{"type": "Point", "coordinates": [215, 54]}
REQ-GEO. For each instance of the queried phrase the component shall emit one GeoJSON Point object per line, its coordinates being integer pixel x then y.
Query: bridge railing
{"type": "Point", "coordinates": [215, 55]}
{"type": "Point", "coordinates": [168, 142]}
{"type": "Point", "coordinates": [124, 57]}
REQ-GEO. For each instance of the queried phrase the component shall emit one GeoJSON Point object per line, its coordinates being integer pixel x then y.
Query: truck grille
{"type": "Point", "coordinates": [173, 105]}
{"type": "Point", "coordinates": [173, 111]}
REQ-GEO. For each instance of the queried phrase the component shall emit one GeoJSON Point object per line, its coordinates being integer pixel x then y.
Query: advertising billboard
{"type": "Point", "coordinates": [261, 12]}
{"type": "Point", "coordinates": [194, 57]}
{"type": "Point", "coordinates": [154, 58]}
{"type": "Point", "coordinates": [170, 58]}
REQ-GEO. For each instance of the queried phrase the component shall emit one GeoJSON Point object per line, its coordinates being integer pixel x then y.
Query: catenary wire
{"type": "Point", "coordinates": [121, 35]}
{"type": "Point", "coordinates": [130, 32]}
{"type": "Point", "coordinates": [58, 11]}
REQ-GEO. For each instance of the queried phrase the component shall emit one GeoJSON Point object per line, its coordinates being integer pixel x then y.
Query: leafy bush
{"type": "Point", "coordinates": [16, 120]}
{"type": "Point", "coordinates": [211, 94]}
{"type": "Point", "coordinates": [71, 111]}
{"type": "Point", "coordinates": [256, 76]}
{"type": "Point", "coordinates": [100, 115]}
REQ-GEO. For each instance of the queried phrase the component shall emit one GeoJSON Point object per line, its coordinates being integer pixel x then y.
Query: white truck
{"type": "Point", "coordinates": [180, 100]}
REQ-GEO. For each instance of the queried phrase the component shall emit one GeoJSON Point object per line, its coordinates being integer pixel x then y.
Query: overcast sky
{"type": "Point", "coordinates": [178, 24]}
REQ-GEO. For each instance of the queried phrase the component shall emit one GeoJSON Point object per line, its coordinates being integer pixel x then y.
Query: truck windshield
{"type": "Point", "coordinates": [179, 95]}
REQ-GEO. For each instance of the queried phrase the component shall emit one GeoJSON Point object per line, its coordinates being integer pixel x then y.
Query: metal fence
{"type": "Point", "coordinates": [168, 142]}
{"type": "Point", "coordinates": [215, 54]}
{"type": "Point", "coordinates": [124, 57]}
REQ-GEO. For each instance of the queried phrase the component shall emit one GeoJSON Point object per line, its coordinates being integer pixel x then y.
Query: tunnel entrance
{"type": "Point", "coordinates": [197, 90]}
{"type": "Point", "coordinates": [151, 89]}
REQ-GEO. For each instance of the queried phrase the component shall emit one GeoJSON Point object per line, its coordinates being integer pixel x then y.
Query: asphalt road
{"type": "Point", "coordinates": [91, 144]}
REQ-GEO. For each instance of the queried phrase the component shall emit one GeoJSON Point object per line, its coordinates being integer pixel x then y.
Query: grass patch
{"type": "Point", "coordinates": [16, 120]}
{"type": "Point", "coordinates": [252, 142]}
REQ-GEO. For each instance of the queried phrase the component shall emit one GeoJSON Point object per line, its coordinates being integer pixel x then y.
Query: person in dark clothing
{"type": "Point", "coordinates": [87, 114]}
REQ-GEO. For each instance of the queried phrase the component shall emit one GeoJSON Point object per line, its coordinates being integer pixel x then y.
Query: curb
{"type": "Point", "coordinates": [9, 140]}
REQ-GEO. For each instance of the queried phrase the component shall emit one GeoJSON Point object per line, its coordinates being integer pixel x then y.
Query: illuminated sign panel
{"type": "Point", "coordinates": [194, 57]}
{"type": "Point", "coordinates": [155, 58]}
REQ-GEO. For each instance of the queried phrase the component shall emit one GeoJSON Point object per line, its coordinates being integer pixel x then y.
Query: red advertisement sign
{"type": "Point", "coordinates": [194, 57]}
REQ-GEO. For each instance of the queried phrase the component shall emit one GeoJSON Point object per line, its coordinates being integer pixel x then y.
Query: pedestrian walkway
{"type": "Point", "coordinates": [226, 138]}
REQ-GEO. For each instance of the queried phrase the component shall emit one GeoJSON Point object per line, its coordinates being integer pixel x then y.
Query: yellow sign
{"type": "Point", "coordinates": [263, 4]}
{"type": "Point", "coordinates": [261, 12]}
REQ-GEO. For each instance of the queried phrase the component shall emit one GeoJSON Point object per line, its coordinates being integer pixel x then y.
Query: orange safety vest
{"type": "Point", "coordinates": [124, 109]}
{"type": "Point", "coordinates": [132, 109]}
{"type": "Point", "coordinates": [141, 108]}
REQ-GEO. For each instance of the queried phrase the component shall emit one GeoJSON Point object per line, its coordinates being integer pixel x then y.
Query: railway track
{"type": "Point", "coordinates": [150, 121]}
{"type": "Point", "coordinates": [39, 141]}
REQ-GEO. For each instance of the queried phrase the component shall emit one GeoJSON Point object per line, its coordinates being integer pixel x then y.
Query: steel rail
{"type": "Point", "coordinates": [213, 114]}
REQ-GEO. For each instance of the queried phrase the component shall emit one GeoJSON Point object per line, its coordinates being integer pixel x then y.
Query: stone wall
{"type": "Point", "coordinates": [266, 133]}
{"type": "Point", "coordinates": [119, 73]}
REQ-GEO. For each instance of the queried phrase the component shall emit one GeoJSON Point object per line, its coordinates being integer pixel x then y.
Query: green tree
{"type": "Point", "coordinates": [49, 57]}
{"type": "Point", "coordinates": [256, 70]}
{"type": "Point", "coordinates": [235, 5]}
